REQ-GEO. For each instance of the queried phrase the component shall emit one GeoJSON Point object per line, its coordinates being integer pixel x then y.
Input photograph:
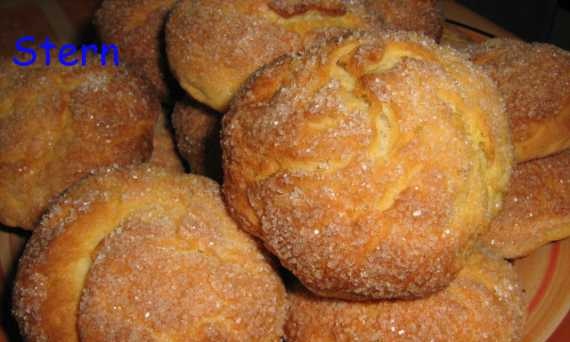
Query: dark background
{"type": "Point", "coordinates": [532, 20]}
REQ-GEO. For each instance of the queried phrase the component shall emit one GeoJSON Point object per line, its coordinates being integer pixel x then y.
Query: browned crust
{"type": "Point", "coordinates": [137, 28]}
{"type": "Point", "coordinates": [198, 138]}
{"type": "Point", "coordinates": [291, 8]}
{"type": "Point", "coordinates": [164, 152]}
{"type": "Point", "coordinates": [59, 123]}
{"type": "Point", "coordinates": [537, 208]}
{"type": "Point", "coordinates": [369, 164]}
{"type": "Point", "coordinates": [145, 254]}
{"type": "Point", "coordinates": [214, 45]}
{"type": "Point", "coordinates": [421, 16]}
{"type": "Point", "coordinates": [535, 81]}
{"type": "Point", "coordinates": [484, 302]}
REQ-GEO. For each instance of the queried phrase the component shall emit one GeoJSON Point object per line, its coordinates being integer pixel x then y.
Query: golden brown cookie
{"type": "Point", "coordinates": [484, 303]}
{"type": "Point", "coordinates": [142, 254]}
{"type": "Point", "coordinates": [214, 45]}
{"type": "Point", "coordinates": [535, 82]}
{"type": "Point", "coordinates": [137, 28]}
{"type": "Point", "coordinates": [198, 138]}
{"type": "Point", "coordinates": [421, 16]}
{"type": "Point", "coordinates": [369, 164]}
{"type": "Point", "coordinates": [59, 123]}
{"type": "Point", "coordinates": [537, 208]}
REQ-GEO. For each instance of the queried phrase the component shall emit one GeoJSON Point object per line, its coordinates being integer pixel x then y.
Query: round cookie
{"type": "Point", "coordinates": [137, 28]}
{"type": "Point", "coordinates": [369, 165]}
{"type": "Point", "coordinates": [535, 82]}
{"type": "Point", "coordinates": [143, 254]}
{"type": "Point", "coordinates": [213, 46]}
{"type": "Point", "coordinates": [536, 209]}
{"type": "Point", "coordinates": [484, 303]}
{"type": "Point", "coordinates": [59, 123]}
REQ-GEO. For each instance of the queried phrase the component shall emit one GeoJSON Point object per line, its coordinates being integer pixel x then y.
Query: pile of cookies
{"type": "Point", "coordinates": [373, 181]}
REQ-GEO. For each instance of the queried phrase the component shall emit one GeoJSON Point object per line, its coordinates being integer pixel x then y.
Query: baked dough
{"type": "Point", "coordinates": [537, 208]}
{"type": "Point", "coordinates": [142, 254]}
{"type": "Point", "coordinates": [421, 16]}
{"type": "Point", "coordinates": [59, 123]}
{"type": "Point", "coordinates": [214, 45]}
{"type": "Point", "coordinates": [198, 138]}
{"type": "Point", "coordinates": [369, 164]}
{"type": "Point", "coordinates": [535, 82]}
{"type": "Point", "coordinates": [137, 28]}
{"type": "Point", "coordinates": [164, 153]}
{"type": "Point", "coordinates": [484, 303]}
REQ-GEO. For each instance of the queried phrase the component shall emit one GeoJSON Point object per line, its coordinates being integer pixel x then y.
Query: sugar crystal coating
{"type": "Point", "coordinates": [145, 254]}
{"type": "Point", "coordinates": [421, 16]}
{"type": "Point", "coordinates": [214, 45]}
{"type": "Point", "coordinates": [484, 303]}
{"type": "Point", "coordinates": [536, 210]}
{"type": "Point", "coordinates": [59, 123]}
{"type": "Point", "coordinates": [136, 27]}
{"type": "Point", "coordinates": [534, 79]}
{"type": "Point", "coordinates": [368, 164]}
